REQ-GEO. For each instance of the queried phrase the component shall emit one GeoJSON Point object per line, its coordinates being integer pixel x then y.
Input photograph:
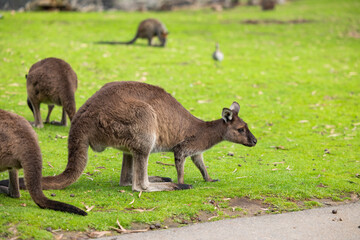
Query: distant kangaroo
{"type": "Point", "coordinates": [51, 81]}
{"type": "Point", "coordinates": [150, 28]}
{"type": "Point", "coordinates": [140, 119]}
{"type": "Point", "coordinates": [19, 149]}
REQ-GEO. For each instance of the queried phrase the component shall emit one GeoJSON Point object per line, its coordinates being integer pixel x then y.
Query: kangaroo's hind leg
{"type": "Point", "coordinates": [127, 172]}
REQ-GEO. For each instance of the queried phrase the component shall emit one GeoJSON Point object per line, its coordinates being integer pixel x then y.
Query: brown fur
{"type": "Point", "coordinates": [51, 81]}
{"type": "Point", "coordinates": [19, 149]}
{"type": "Point", "coordinates": [268, 4]}
{"type": "Point", "coordinates": [140, 119]}
{"type": "Point", "coordinates": [150, 28]}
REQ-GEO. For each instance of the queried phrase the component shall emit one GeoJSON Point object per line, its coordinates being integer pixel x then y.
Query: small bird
{"type": "Point", "coordinates": [218, 55]}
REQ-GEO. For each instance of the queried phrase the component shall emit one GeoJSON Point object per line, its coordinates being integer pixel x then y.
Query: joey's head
{"type": "Point", "coordinates": [237, 130]}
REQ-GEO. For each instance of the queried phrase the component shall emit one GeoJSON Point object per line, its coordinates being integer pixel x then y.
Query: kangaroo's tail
{"type": "Point", "coordinates": [114, 42]}
{"type": "Point", "coordinates": [33, 175]}
{"type": "Point", "coordinates": [77, 159]}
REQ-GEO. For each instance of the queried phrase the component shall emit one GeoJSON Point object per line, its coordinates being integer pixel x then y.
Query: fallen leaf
{"type": "Point", "coordinates": [204, 101]}
{"type": "Point", "coordinates": [88, 209]}
{"type": "Point", "coordinates": [276, 163]}
{"type": "Point", "coordinates": [121, 229]}
{"type": "Point", "coordinates": [140, 194]}
{"type": "Point", "coordinates": [23, 204]}
{"type": "Point", "coordinates": [303, 121]}
{"type": "Point", "coordinates": [356, 124]}
{"type": "Point", "coordinates": [98, 234]}
{"type": "Point", "coordinates": [59, 136]}
{"type": "Point", "coordinates": [132, 201]}
{"type": "Point", "coordinates": [212, 217]}
{"type": "Point", "coordinates": [59, 237]}
{"type": "Point", "coordinates": [334, 135]}
{"type": "Point", "coordinates": [235, 170]}
{"type": "Point", "coordinates": [50, 165]}
{"type": "Point", "coordinates": [322, 185]}
{"type": "Point", "coordinates": [141, 209]}
{"type": "Point", "coordinates": [278, 147]}
{"type": "Point", "coordinates": [122, 191]}
{"type": "Point", "coordinates": [288, 168]}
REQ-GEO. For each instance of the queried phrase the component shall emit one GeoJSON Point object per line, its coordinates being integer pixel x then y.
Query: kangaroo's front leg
{"type": "Point", "coordinates": [50, 108]}
{"type": "Point", "coordinates": [179, 164]}
{"type": "Point", "coordinates": [199, 162]}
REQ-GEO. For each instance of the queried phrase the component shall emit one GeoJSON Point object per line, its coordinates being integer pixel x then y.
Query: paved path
{"type": "Point", "coordinates": [314, 224]}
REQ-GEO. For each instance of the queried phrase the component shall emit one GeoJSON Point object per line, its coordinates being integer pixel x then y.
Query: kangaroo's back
{"type": "Point", "coordinates": [51, 79]}
{"type": "Point", "coordinates": [172, 119]}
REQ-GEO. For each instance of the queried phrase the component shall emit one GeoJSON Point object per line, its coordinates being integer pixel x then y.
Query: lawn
{"type": "Point", "coordinates": [295, 72]}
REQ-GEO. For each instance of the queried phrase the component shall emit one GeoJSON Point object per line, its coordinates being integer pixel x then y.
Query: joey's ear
{"type": "Point", "coordinates": [227, 114]}
{"type": "Point", "coordinates": [235, 107]}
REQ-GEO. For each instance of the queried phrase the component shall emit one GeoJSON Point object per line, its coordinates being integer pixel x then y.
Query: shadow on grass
{"type": "Point", "coordinates": [125, 43]}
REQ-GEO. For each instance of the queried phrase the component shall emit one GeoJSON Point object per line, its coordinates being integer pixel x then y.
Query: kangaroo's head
{"type": "Point", "coordinates": [163, 37]}
{"type": "Point", "coordinates": [237, 130]}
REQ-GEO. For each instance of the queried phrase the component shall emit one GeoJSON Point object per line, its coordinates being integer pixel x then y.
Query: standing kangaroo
{"type": "Point", "coordinates": [140, 119]}
{"type": "Point", "coordinates": [150, 28]}
{"type": "Point", "coordinates": [51, 81]}
{"type": "Point", "coordinates": [19, 149]}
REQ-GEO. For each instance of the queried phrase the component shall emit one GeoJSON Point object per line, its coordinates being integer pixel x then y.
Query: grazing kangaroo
{"type": "Point", "coordinates": [19, 149]}
{"type": "Point", "coordinates": [150, 28]}
{"type": "Point", "coordinates": [51, 81]}
{"type": "Point", "coordinates": [140, 119]}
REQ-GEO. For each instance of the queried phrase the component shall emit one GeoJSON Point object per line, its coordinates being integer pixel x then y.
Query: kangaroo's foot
{"type": "Point", "coordinates": [162, 186]}
{"type": "Point", "coordinates": [159, 179]}
{"type": "Point", "coordinates": [151, 179]}
{"type": "Point", "coordinates": [4, 189]}
{"type": "Point", "coordinates": [56, 123]}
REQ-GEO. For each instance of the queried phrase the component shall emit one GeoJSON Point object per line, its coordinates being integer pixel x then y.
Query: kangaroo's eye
{"type": "Point", "coordinates": [240, 130]}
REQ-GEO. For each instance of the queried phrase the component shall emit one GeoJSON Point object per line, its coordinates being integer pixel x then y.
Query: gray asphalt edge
{"type": "Point", "coordinates": [318, 224]}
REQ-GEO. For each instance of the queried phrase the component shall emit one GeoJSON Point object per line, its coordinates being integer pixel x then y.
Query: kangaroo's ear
{"type": "Point", "coordinates": [227, 114]}
{"type": "Point", "coordinates": [235, 107]}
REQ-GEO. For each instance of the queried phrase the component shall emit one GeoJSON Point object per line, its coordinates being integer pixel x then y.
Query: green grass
{"type": "Point", "coordinates": [280, 74]}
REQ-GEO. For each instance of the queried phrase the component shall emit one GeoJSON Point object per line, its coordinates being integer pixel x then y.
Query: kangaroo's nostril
{"type": "Point", "coordinates": [255, 141]}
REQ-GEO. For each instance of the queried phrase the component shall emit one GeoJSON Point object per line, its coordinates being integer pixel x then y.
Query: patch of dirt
{"type": "Point", "coordinates": [270, 21]}
{"type": "Point", "coordinates": [354, 34]}
{"type": "Point", "coordinates": [249, 207]}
